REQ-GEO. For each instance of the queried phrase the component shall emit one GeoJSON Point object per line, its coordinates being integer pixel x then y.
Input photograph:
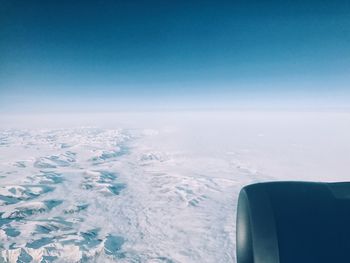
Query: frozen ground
{"type": "Point", "coordinates": [151, 187]}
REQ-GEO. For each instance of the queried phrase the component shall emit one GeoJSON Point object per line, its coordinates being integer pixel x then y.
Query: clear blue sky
{"type": "Point", "coordinates": [113, 55]}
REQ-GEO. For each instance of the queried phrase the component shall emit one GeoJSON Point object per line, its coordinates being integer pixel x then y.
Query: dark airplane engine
{"type": "Point", "coordinates": [294, 222]}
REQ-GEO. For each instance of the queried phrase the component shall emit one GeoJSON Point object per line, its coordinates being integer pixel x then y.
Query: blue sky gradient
{"type": "Point", "coordinates": [139, 55]}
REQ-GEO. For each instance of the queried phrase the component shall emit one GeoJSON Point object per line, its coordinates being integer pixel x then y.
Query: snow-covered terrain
{"type": "Point", "coordinates": [151, 187]}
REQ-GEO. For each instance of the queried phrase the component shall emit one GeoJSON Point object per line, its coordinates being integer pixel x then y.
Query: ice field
{"type": "Point", "coordinates": [150, 187]}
